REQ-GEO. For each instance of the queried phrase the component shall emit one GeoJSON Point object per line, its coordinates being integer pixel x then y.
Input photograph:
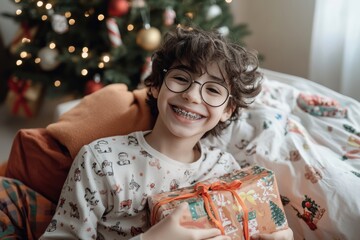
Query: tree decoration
{"type": "Point", "coordinates": [58, 22]}
{"type": "Point", "coordinates": [118, 8]}
{"type": "Point", "coordinates": [113, 32]}
{"type": "Point", "coordinates": [48, 58]}
{"type": "Point", "coordinates": [213, 12]}
{"type": "Point", "coordinates": [224, 30]}
{"type": "Point", "coordinates": [138, 3]}
{"type": "Point", "coordinates": [94, 85]}
{"type": "Point", "coordinates": [169, 16]}
{"type": "Point", "coordinates": [149, 38]}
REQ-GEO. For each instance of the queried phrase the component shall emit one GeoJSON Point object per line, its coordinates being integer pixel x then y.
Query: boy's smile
{"type": "Point", "coordinates": [186, 114]}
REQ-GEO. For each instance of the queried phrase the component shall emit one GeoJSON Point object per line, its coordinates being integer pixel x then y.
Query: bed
{"type": "Point", "coordinates": [306, 133]}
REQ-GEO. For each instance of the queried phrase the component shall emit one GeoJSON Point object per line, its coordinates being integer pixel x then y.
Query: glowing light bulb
{"type": "Point", "coordinates": [84, 72]}
{"type": "Point", "coordinates": [57, 83]}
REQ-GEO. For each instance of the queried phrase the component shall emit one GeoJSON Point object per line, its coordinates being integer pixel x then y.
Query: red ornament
{"type": "Point", "coordinates": [93, 85]}
{"type": "Point", "coordinates": [118, 8]}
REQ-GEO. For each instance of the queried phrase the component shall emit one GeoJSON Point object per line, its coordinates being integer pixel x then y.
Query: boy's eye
{"type": "Point", "coordinates": [213, 89]}
{"type": "Point", "coordinates": [181, 80]}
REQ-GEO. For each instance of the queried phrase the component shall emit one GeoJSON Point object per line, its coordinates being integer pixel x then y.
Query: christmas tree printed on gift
{"type": "Point", "coordinates": [277, 214]}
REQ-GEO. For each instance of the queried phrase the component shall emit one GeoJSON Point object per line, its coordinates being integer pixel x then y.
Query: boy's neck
{"type": "Point", "coordinates": [180, 149]}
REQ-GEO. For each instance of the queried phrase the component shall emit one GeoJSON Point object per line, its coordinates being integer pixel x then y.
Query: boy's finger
{"type": "Point", "coordinates": [179, 210]}
{"type": "Point", "coordinates": [207, 233]}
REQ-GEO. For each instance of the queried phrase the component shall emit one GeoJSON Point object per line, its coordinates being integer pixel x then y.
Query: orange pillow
{"type": "Point", "coordinates": [113, 110]}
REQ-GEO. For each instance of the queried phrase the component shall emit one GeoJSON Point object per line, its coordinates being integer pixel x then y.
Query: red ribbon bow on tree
{"type": "Point", "coordinates": [202, 190]}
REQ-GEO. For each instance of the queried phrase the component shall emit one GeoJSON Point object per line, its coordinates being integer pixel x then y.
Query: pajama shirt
{"type": "Point", "coordinates": [105, 194]}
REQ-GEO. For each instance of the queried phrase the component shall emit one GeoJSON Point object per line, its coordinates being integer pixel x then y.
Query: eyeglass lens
{"type": "Point", "coordinates": [211, 92]}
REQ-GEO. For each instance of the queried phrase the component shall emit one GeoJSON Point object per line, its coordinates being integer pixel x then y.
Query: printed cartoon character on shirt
{"type": "Point", "coordinates": [90, 197]}
{"type": "Point", "coordinates": [102, 147]}
{"type": "Point", "coordinates": [123, 159]}
{"type": "Point", "coordinates": [105, 170]}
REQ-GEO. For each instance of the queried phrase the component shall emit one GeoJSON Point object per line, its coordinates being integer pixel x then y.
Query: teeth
{"type": "Point", "coordinates": [189, 115]}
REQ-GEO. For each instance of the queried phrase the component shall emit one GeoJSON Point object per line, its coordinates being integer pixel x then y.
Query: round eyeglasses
{"type": "Point", "coordinates": [212, 93]}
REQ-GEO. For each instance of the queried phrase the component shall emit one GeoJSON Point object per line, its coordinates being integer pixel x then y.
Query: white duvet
{"type": "Point", "coordinates": [316, 159]}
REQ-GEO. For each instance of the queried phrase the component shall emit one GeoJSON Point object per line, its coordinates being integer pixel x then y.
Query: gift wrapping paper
{"type": "Point", "coordinates": [258, 192]}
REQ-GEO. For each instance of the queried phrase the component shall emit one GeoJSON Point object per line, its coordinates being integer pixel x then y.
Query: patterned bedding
{"type": "Point", "coordinates": [309, 136]}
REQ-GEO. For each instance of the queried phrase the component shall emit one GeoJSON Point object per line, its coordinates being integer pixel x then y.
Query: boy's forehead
{"type": "Point", "coordinates": [212, 68]}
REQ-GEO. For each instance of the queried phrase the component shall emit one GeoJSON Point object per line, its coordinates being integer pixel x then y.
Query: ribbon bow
{"type": "Point", "coordinates": [202, 190]}
{"type": "Point", "coordinates": [20, 88]}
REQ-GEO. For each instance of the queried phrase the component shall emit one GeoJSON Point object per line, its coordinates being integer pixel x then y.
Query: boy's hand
{"type": "Point", "coordinates": [286, 234]}
{"type": "Point", "coordinates": [170, 228]}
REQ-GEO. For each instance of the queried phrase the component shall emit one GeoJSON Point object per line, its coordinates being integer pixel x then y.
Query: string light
{"type": "Point", "coordinates": [84, 55]}
{"type": "Point", "coordinates": [18, 62]}
{"type": "Point", "coordinates": [228, 1]}
{"type": "Point", "coordinates": [101, 65]}
{"type": "Point", "coordinates": [190, 15]}
{"type": "Point", "coordinates": [71, 21]}
{"type": "Point", "coordinates": [18, 12]}
{"type": "Point", "coordinates": [106, 58]}
{"type": "Point", "coordinates": [71, 49]}
{"type": "Point", "coordinates": [52, 45]}
{"type": "Point", "coordinates": [23, 54]}
{"type": "Point", "coordinates": [37, 60]}
{"type": "Point", "coordinates": [25, 40]}
{"type": "Point", "coordinates": [130, 27]}
{"type": "Point", "coordinates": [68, 14]}
{"type": "Point", "coordinates": [57, 83]}
{"type": "Point", "coordinates": [44, 17]}
{"type": "Point", "coordinates": [17, 1]}
{"type": "Point", "coordinates": [84, 72]}
{"type": "Point", "coordinates": [101, 17]}
{"type": "Point", "coordinates": [48, 6]}
{"type": "Point", "coordinates": [40, 3]}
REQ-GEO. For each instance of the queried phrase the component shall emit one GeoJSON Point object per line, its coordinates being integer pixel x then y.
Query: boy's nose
{"type": "Point", "coordinates": [193, 93]}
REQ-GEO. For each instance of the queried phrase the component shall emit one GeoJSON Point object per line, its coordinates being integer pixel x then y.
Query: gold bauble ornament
{"type": "Point", "coordinates": [148, 38]}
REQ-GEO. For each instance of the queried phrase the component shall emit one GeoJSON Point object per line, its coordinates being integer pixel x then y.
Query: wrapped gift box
{"type": "Point", "coordinates": [241, 204]}
{"type": "Point", "coordinates": [24, 97]}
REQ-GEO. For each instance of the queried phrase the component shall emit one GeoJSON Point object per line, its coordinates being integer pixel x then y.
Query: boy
{"type": "Point", "coordinates": [198, 83]}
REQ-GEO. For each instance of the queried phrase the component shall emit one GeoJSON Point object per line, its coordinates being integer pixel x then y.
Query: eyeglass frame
{"type": "Point", "coordinates": [166, 71]}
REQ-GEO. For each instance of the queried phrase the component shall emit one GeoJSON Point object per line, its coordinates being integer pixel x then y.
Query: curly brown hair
{"type": "Point", "coordinates": [198, 48]}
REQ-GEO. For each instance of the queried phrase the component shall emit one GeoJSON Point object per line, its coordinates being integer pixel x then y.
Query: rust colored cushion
{"type": "Point", "coordinates": [113, 110]}
{"type": "Point", "coordinates": [39, 161]}
{"type": "Point", "coordinates": [3, 167]}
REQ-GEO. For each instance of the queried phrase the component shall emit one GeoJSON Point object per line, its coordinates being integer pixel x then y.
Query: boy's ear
{"type": "Point", "coordinates": [227, 113]}
{"type": "Point", "coordinates": [154, 92]}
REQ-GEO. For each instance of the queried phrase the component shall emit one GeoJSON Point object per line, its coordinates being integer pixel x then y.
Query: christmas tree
{"type": "Point", "coordinates": [79, 46]}
{"type": "Point", "coordinates": [277, 214]}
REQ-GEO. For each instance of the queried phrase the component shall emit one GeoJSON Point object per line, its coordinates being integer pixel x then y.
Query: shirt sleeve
{"type": "Point", "coordinates": [83, 200]}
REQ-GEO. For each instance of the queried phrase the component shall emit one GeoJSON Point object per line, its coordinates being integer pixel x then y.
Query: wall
{"type": "Point", "coordinates": [8, 27]}
{"type": "Point", "coordinates": [281, 31]}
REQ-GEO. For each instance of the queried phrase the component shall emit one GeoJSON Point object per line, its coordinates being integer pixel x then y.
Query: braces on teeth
{"type": "Point", "coordinates": [187, 114]}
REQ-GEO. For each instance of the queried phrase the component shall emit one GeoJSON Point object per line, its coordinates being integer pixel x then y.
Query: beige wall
{"type": "Point", "coordinates": [7, 27]}
{"type": "Point", "coordinates": [281, 31]}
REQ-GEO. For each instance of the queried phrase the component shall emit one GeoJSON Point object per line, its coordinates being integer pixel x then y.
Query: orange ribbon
{"type": "Point", "coordinates": [19, 88]}
{"type": "Point", "coordinates": [203, 190]}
